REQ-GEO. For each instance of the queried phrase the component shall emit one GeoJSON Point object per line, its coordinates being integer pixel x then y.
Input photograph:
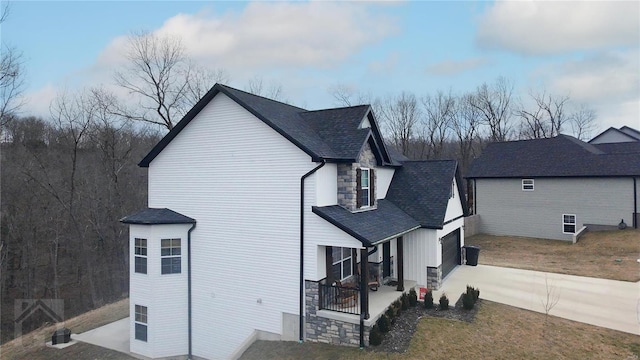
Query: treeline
{"type": "Point", "coordinates": [445, 125]}
{"type": "Point", "coordinates": [65, 183]}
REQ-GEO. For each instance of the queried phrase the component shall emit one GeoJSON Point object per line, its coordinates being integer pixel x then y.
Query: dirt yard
{"type": "Point", "coordinates": [499, 332]}
{"type": "Point", "coordinates": [607, 254]}
{"type": "Point", "coordinates": [32, 346]}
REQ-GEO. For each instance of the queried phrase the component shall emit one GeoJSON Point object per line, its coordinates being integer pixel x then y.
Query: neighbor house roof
{"type": "Point", "coordinates": [372, 226]}
{"type": "Point", "coordinates": [330, 135]}
{"type": "Point", "coordinates": [422, 190]}
{"type": "Point", "coordinates": [631, 131]}
{"type": "Point", "coordinates": [561, 156]}
{"type": "Point", "coordinates": [625, 134]}
{"type": "Point", "coordinates": [155, 216]}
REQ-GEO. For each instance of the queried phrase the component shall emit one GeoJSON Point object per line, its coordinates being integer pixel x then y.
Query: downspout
{"type": "Point", "coordinates": [189, 357]}
{"type": "Point", "coordinates": [301, 329]}
{"type": "Point", "coordinates": [635, 204]}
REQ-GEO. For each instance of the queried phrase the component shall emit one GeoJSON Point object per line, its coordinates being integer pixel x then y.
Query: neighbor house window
{"type": "Point", "coordinates": [527, 184]}
{"type": "Point", "coordinates": [568, 224]}
{"type": "Point", "coordinates": [141, 322]}
{"type": "Point", "coordinates": [365, 191]}
{"type": "Point", "coordinates": [342, 266]}
{"type": "Point", "coordinates": [140, 250]}
{"type": "Point", "coordinates": [170, 255]}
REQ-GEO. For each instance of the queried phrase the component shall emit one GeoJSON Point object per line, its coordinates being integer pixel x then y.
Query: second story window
{"type": "Point", "coordinates": [170, 255]}
{"type": "Point", "coordinates": [365, 194]}
{"type": "Point", "coordinates": [140, 255]}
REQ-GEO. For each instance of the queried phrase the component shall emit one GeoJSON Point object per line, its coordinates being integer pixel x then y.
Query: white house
{"type": "Point", "coordinates": [259, 216]}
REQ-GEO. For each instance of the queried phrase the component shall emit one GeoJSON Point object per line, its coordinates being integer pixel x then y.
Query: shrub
{"type": "Point", "coordinates": [444, 302]}
{"type": "Point", "coordinates": [405, 301]}
{"type": "Point", "coordinates": [468, 300]}
{"type": "Point", "coordinates": [383, 324]}
{"type": "Point", "coordinates": [375, 336]}
{"type": "Point", "coordinates": [391, 314]}
{"type": "Point", "coordinates": [413, 298]}
{"type": "Point", "coordinates": [397, 307]}
{"type": "Point", "coordinates": [428, 299]}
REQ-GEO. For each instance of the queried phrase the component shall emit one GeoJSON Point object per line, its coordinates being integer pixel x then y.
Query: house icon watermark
{"type": "Point", "coordinates": [26, 310]}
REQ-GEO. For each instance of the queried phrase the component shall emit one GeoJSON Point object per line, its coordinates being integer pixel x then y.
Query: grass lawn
{"type": "Point", "coordinates": [499, 332]}
{"type": "Point", "coordinates": [32, 346]}
{"type": "Point", "coordinates": [606, 254]}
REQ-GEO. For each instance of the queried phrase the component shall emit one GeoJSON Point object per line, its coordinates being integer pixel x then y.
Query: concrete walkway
{"type": "Point", "coordinates": [606, 303]}
{"type": "Point", "coordinates": [114, 336]}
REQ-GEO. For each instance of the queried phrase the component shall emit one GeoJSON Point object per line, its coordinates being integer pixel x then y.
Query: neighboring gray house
{"type": "Point", "coordinates": [551, 188]}
{"type": "Point", "coordinates": [613, 135]}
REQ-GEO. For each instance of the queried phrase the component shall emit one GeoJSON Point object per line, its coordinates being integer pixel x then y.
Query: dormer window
{"type": "Point", "coordinates": [365, 192]}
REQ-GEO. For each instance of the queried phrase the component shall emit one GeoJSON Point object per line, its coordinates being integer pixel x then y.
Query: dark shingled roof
{"type": "Point", "coordinates": [153, 216]}
{"type": "Point", "coordinates": [561, 156]}
{"type": "Point", "coordinates": [422, 189]}
{"type": "Point", "coordinates": [372, 226]}
{"type": "Point", "coordinates": [330, 135]}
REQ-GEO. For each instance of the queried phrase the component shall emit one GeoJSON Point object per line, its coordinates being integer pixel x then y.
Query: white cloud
{"type": "Point", "coordinates": [273, 35]}
{"type": "Point", "coordinates": [454, 67]}
{"type": "Point", "coordinates": [386, 65]}
{"type": "Point", "coordinates": [535, 27]}
{"type": "Point", "coordinates": [38, 101]}
{"type": "Point", "coordinates": [608, 82]}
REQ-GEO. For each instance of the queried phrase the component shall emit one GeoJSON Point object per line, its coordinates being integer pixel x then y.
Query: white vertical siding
{"type": "Point", "coordinates": [454, 207]}
{"type": "Point", "coordinates": [165, 296]}
{"type": "Point", "coordinates": [239, 179]}
{"type": "Point", "coordinates": [505, 209]}
{"type": "Point", "coordinates": [327, 185]}
{"type": "Point", "coordinates": [384, 175]}
{"type": "Point", "coordinates": [416, 254]}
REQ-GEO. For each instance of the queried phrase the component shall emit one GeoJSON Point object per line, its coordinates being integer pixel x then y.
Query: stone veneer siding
{"type": "Point", "coordinates": [330, 331]}
{"type": "Point", "coordinates": [347, 178]}
{"type": "Point", "coordinates": [434, 277]}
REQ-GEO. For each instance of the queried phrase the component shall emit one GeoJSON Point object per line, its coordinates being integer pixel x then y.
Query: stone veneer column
{"type": "Point", "coordinates": [329, 331]}
{"type": "Point", "coordinates": [434, 277]}
{"type": "Point", "coordinates": [347, 178]}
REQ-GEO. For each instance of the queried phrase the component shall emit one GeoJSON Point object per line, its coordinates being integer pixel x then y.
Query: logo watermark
{"type": "Point", "coordinates": [36, 310]}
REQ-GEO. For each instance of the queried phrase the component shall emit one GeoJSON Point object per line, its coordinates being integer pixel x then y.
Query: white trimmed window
{"type": "Point", "coordinates": [170, 254]}
{"type": "Point", "coordinates": [365, 187]}
{"type": "Point", "coordinates": [140, 252]}
{"type": "Point", "coordinates": [141, 322]}
{"type": "Point", "coordinates": [527, 185]}
{"type": "Point", "coordinates": [568, 223]}
{"type": "Point", "coordinates": [342, 266]}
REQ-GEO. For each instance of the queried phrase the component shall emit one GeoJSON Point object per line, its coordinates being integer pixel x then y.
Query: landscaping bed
{"type": "Point", "coordinates": [604, 254]}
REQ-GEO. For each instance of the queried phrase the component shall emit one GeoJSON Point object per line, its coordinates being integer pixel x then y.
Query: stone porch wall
{"type": "Point", "coordinates": [434, 277]}
{"type": "Point", "coordinates": [330, 331]}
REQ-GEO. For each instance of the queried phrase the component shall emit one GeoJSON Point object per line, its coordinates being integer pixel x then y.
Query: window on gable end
{"type": "Point", "coordinates": [365, 188]}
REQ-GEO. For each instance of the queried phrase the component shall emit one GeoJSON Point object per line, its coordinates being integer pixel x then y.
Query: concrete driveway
{"type": "Point", "coordinates": [607, 303]}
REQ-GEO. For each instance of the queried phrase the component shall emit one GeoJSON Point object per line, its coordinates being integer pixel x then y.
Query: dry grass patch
{"type": "Point", "coordinates": [32, 345]}
{"type": "Point", "coordinates": [499, 332]}
{"type": "Point", "coordinates": [607, 254]}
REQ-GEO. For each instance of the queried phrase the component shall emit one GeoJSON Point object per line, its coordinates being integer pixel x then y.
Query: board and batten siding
{"type": "Point", "coordinates": [240, 180]}
{"type": "Point", "coordinates": [384, 175]}
{"type": "Point", "coordinates": [505, 209]}
{"type": "Point", "coordinates": [165, 296]}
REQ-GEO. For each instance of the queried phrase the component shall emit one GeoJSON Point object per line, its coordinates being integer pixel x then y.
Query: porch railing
{"type": "Point", "coordinates": [344, 299]}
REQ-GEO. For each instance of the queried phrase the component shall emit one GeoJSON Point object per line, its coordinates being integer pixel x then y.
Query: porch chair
{"type": "Point", "coordinates": [346, 294]}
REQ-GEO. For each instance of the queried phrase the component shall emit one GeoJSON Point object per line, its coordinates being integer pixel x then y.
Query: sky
{"type": "Point", "coordinates": [589, 51]}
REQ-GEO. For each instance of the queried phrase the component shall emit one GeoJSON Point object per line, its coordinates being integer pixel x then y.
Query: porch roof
{"type": "Point", "coordinates": [371, 226]}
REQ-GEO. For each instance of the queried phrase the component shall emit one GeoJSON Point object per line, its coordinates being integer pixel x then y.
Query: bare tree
{"type": "Point", "coordinates": [11, 77]}
{"type": "Point", "coordinates": [494, 102]}
{"type": "Point", "coordinates": [345, 95]}
{"type": "Point", "coordinates": [549, 301]}
{"type": "Point", "coordinates": [439, 111]}
{"type": "Point", "coordinates": [400, 115]}
{"type": "Point", "coordinates": [272, 90]}
{"type": "Point", "coordinates": [583, 122]}
{"type": "Point", "coordinates": [165, 82]}
{"type": "Point", "coordinates": [465, 125]}
{"type": "Point", "coordinates": [546, 118]}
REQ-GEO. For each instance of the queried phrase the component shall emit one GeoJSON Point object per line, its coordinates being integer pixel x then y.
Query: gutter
{"type": "Point", "coordinates": [301, 309]}
{"type": "Point", "coordinates": [189, 356]}
{"type": "Point", "coordinates": [635, 204]}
